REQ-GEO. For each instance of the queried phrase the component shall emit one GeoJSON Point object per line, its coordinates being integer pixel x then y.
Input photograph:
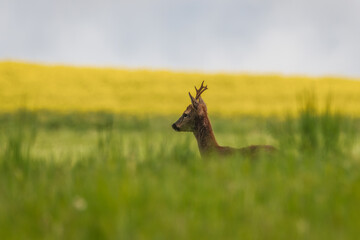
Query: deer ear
{"type": "Point", "coordinates": [201, 101]}
{"type": "Point", "coordinates": [193, 101]}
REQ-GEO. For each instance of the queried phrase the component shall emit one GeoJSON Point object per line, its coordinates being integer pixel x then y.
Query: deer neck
{"type": "Point", "coordinates": [205, 136]}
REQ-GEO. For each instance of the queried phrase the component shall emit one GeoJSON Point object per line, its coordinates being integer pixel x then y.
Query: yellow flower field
{"type": "Point", "coordinates": [64, 89]}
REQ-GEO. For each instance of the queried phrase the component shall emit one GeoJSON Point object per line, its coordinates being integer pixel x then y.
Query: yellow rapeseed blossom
{"type": "Point", "coordinates": [63, 88]}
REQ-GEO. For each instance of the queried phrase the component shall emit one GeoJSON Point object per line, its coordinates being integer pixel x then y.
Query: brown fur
{"type": "Point", "coordinates": [208, 145]}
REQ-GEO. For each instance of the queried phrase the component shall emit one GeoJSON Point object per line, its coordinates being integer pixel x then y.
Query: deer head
{"type": "Point", "coordinates": [193, 113]}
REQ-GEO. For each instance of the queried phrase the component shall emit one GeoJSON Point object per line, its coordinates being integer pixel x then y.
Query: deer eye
{"type": "Point", "coordinates": [185, 115]}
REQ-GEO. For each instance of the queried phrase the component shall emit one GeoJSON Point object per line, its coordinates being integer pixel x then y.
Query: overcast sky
{"type": "Point", "coordinates": [314, 37]}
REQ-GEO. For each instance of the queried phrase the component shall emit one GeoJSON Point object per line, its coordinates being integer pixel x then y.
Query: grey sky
{"type": "Point", "coordinates": [313, 37]}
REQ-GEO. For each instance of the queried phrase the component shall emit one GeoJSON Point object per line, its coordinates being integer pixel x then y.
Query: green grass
{"type": "Point", "coordinates": [104, 176]}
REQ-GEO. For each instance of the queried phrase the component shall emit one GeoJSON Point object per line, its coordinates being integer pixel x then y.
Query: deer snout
{"type": "Point", "coordinates": [176, 128]}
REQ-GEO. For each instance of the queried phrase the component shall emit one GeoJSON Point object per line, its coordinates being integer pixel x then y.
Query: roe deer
{"type": "Point", "coordinates": [195, 120]}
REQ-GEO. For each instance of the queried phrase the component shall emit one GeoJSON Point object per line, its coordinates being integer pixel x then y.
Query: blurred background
{"type": "Point", "coordinates": [312, 37]}
{"type": "Point", "coordinates": [89, 91]}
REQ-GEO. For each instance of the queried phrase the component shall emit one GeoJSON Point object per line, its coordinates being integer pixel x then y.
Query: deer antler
{"type": "Point", "coordinates": [200, 90]}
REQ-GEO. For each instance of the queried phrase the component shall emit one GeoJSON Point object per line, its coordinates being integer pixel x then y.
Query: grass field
{"type": "Point", "coordinates": [71, 171]}
{"type": "Point", "coordinates": [104, 176]}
